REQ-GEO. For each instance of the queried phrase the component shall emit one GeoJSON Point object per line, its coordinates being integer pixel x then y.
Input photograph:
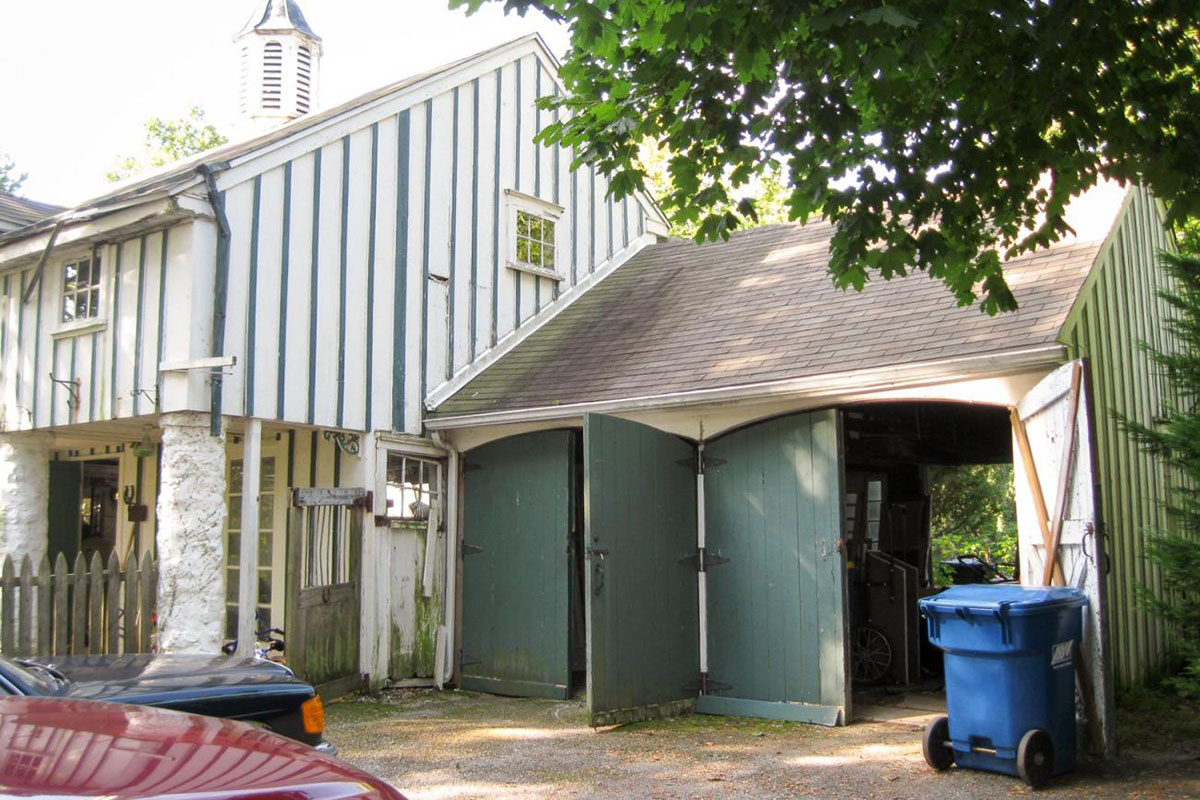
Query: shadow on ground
{"type": "Point", "coordinates": [465, 745]}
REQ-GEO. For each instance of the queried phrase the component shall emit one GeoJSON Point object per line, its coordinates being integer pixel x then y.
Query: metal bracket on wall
{"type": "Point", "coordinates": [150, 394]}
{"type": "Point", "coordinates": [346, 442]}
{"type": "Point", "coordinates": [701, 560]}
{"type": "Point", "coordinates": [705, 685]}
{"type": "Point", "coordinates": [71, 386]}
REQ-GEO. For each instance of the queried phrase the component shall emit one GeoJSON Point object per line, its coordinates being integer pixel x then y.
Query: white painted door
{"type": "Point", "coordinates": [1057, 439]}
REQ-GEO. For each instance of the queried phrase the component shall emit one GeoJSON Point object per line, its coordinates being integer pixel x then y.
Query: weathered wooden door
{"type": "Point", "coordinates": [776, 607]}
{"type": "Point", "coordinates": [62, 516]}
{"type": "Point", "coordinates": [640, 581]}
{"type": "Point", "coordinates": [1057, 500]}
{"type": "Point", "coordinates": [324, 587]}
{"type": "Point", "coordinates": [516, 537]}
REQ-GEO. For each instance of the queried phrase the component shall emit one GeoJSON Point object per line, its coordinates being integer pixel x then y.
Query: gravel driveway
{"type": "Point", "coordinates": [464, 745]}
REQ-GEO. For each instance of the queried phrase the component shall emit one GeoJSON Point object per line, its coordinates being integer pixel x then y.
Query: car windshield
{"type": "Point", "coordinates": [30, 676]}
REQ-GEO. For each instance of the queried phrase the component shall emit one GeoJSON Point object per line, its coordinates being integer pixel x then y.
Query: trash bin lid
{"type": "Point", "coordinates": [1018, 599]}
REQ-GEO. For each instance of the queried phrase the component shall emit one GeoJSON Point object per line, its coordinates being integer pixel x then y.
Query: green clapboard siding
{"type": "Point", "coordinates": [776, 614]}
{"type": "Point", "coordinates": [1118, 309]}
{"type": "Point", "coordinates": [517, 510]}
{"type": "Point", "coordinates": [643, 618]}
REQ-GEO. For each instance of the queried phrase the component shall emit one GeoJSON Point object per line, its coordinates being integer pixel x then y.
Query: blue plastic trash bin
{"type": "Point", "coordinates": [1010, 678]}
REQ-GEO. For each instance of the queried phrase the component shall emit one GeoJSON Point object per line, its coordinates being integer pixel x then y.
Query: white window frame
{"type": "Point", "coordinates": [520, 202]}
{"type": "Point", "coordinates": [97, 320]}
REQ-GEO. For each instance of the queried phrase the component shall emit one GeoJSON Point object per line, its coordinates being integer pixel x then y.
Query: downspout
{"type": "Point", "coordinates": [447, 633]}
{"type": "Point", "coordinates": [220, 285]}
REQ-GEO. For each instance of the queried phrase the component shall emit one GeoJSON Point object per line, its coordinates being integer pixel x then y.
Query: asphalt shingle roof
{"type": "Point", "coordinates": [760, 307]}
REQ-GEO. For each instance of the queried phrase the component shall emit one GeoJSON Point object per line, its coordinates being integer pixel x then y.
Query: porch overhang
{"type": "Point", "coordinates": [829, 387]}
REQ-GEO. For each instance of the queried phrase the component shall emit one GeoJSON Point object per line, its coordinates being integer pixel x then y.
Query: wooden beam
{"type": "Point", "coordinates": [247, 627]}
{"type": "Point", "coordinates": [1035, 485]}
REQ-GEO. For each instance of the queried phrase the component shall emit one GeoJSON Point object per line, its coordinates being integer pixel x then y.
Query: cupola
{"type": "Point", "coordinates": [279, 59]}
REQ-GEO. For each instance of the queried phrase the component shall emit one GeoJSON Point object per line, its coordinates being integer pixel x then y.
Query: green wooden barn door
{"type": "Point", "coordinates": [642, 611]}
{"type": "Point", "coordinates": [776, 609]}
{"type": "Point", "coordinates": [516, 530]}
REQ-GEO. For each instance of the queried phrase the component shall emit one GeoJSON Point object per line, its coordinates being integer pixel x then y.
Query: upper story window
{"type": "Point", "coordinates": [414, 487]}
{"type": "Point", "coordinates": [533, 235]}
{"type": "Point", "coordinates": [81, 289]}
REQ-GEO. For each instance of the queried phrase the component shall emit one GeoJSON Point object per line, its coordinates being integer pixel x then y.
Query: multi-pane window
{"type": "Point", "coordinates": [413, 487]}
{"type": "Point", "coordinates": [233, 544]}
{"type": "Point", "coordinates": [81, 289]}
{"type": "Point", "coordinates": [535, 241]}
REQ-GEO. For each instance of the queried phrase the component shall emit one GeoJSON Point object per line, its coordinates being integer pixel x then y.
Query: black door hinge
{"type": "Point", "coordinates": [465, 660]}
{"type": "Point", "coordinates": [470, 549]}
{"type": "Point", "coordinates": [701, 560]}
{"type": "Point", "coordinates": [706, 685]}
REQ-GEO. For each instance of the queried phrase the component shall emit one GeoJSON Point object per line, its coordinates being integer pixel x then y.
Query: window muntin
{"type": "Point", "coordinates": [81, 289]}
{"type": "Point", "coordinates": [234, 530]}
{"type": "Point", "coordinates": [413, 487]}
{"type": "Point", "coordinates": [535, 241]}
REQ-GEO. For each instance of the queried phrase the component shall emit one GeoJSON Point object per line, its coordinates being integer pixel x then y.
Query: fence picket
{"type": "Point", "coordinates": [78, 621]}
{"type": "Point", "coordinates": [112, 604]}
{"type": "Point", "coordinates": [131, 604]}
{"type": "Point", "coordinates": [62, 592]}
{"type": "Point", "coordinates": [8, 590]}
{"type": "Point", "coordinates": [43, 608]}
{"type": "Point", "coordinates": [96, 606]}
{"type": "Point", "coordinates": [148, 579]}
{"type": "Point", "coordinates": [25, 609]}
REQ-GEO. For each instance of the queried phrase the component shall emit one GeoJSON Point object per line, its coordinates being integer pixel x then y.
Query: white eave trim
{"type": "Point", "coordinates": [901, 376]}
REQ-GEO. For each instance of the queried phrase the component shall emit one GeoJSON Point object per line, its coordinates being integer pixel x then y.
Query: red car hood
{"type": "Point", "coordinates": [80, 748]}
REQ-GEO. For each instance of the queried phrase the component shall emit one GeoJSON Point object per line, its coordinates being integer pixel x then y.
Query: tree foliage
{"type": "Point", "coordinates": [10, 179]}
{"type": "Point", "coordinates": [973, 511]}
{"type": "Point", "coordinates": [168, 141]}
{"type": "Point", "coordinates": [1175, 438]}
{"type": "Point", "coordinates": [942, 137]}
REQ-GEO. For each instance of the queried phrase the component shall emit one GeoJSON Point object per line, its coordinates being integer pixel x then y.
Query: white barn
{"type": "Point", "coordinates": [298, 295]}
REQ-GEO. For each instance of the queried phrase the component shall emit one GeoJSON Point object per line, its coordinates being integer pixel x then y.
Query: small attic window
{"type": "Point", "coordinates": [81, 290]}
{"type": "Point", "coordinates": [533, 235]}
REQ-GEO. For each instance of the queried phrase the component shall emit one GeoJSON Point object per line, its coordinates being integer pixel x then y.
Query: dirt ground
{"type": "Point", "coordinates": [463, 745]}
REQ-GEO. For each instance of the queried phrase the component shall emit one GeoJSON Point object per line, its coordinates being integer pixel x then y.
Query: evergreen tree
{"type": "Point", "coordinates": [1175, 438]}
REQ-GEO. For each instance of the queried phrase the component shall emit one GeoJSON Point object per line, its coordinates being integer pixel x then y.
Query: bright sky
{"type": "Point", "coordinates": [81, 77]}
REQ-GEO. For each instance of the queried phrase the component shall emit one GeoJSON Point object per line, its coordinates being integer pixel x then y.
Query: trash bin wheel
{"type": "Point", "coordinates": [936, 745]}
{"type": "Point", "coordinates": [1035, 757]}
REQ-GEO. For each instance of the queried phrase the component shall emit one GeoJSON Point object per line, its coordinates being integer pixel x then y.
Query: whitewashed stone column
{"type": "Point", "coordinates": [24, 496]}
{"type": "Point", "coordinates": [191, 520]}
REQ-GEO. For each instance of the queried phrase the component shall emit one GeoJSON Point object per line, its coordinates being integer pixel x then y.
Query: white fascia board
{"type": "Point", "coordinates": [275, 154]}
{"type": "Point", "coordinates": [831, 385]}
{"type": "Point", "coordinates": [566, 299]}
{"type": "Point", "coordinates": [85, 230]}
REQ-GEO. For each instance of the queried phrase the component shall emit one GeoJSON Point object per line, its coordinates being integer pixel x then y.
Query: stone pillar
{"type": "Point", "coordinates": [191, 520]}
{"type": "Point", "coordinates": [24, 496]}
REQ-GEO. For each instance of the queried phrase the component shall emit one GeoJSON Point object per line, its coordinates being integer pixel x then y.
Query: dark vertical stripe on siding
{"type": "Point", "coordinates": [313, 298]}
{"type": "Point", "coordinates": [37, 350]}
{"type": "Point", "coordinates": [368, 365]}
{"type": "Point", "coordinates": [555, 184]}
{"type": "Point", "coordinates": [291, 458]}
{"type": "Point", "coordinates": [312, 460]}
{"type": "Point", "coordinates": [342, 270]}
{"type": "Point", "coordinates": [537, 128]}
{"type": "Point", "coordinates": [74, 358]}
{"type": "Point", "coordinates": [53, 384]}
{"type": "Point", "coordinates": [474, 298]}
{"type": "Point", "coordinates": [252, 297]}
{"type": "Point", "coordinates": [625, 221]}
{"type": "Point", "coordinates": [641, 220]}
{"type": "Point", "coordinates": [451, 289]}
{"type": "Point", "coordinates": [400, 265]}
{"type": "Point", "coordinates": [496, 210]}
{"type": "Point", "coordinates": [608, 213]}
{"type": "Point", "coordinates": [162, 306]}
{"type": "Point", "coordinates": [284, 261]}
{"type": "Point", "coordinates": [116, 330]}
{"type": "Point", "coordinates": [425, 258]}
{"type": "Point", "coordinates": [93, 380]}
{"type": "Point", "coordinates": [138, 326]}
{"type": "Point", "coordinates": [337, 466]}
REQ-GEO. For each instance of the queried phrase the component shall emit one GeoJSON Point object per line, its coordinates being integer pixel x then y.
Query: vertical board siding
{"type": "Point", "coordinates": [363, 274]}
{"type": "Point", "coordinates": [1118, 310]}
